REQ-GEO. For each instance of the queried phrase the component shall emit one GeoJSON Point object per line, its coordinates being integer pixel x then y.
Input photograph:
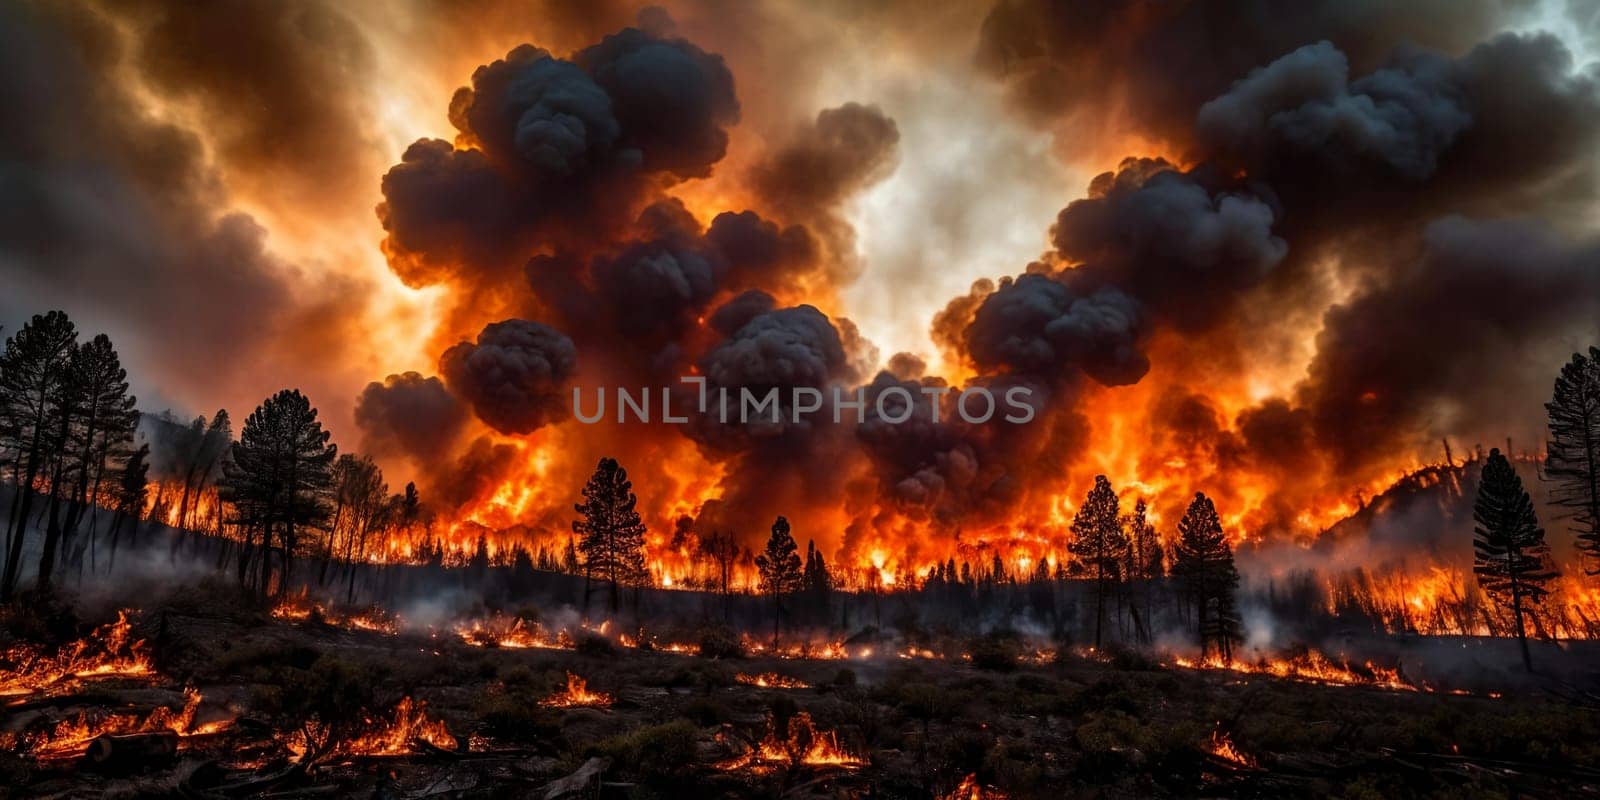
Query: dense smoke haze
{"type": "Point", "coordinates": [1272, 254]}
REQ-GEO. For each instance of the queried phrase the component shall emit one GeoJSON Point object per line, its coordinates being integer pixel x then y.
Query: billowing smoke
{"type": "Point", "coordinates": [514, 375]}
{"type": "Point", "coordinates": [1335, 232]}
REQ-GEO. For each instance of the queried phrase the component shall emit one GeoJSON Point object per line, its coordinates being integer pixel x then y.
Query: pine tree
{"type": "Point", "coordinates": [1099, 542]}
{"type": "Point", "coordinates": [1509, 545]}
{"type": "Point", "coordinates": [1143, 562]}
{"type": "Point", "coordinates": [780, 570]}
{"type": "Point", "coordinates": [33, 370]}
{"type": "Point", "coordinates": [1204, 566]}
{"type": "Point", "coordinates": [1573, 461]}
{"type": "Point", "coordinates": [817, 580]}
{"type": "Point", "coordinates": [280, 480]}
{"type": "Point", "coordinates": [104, 432]}
{"type": "Point", "coordinates": [96, 414]}
{"type": "Point", "coordinates": [133, 489]}
{"type": "Point", "coordinates": [612, 534]}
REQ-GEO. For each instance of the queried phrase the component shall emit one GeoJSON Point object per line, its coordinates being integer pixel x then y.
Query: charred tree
{"type": "Point", "coordinates": [1204, 567]}
{"type": "Point", "coordinates": [1573, 460]}
{"type": "Point", "coordinates": [611, 533]}
{"type": "Point", "coordinates": [1509, 546]}
{"type": "Point", "coordinates": [779, 566]}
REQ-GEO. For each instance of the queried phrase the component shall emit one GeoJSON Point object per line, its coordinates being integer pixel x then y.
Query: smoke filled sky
{"type": "Point", "coordinates": [1224, 245]}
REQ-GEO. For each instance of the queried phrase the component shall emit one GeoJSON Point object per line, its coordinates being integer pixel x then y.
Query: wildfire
{"type": "Point", "coordinates": [1310, 667]}
{"type": "Point", "coordinates": [1446, 601]}
{"type": "Point", "coordinates": [578, 694]}
{"type": "Point", "coordinates": [512, 634]}
{"type": "Point", "coordinates": [69, 738]}
{"type": "Point", "coordinates": [1222, 747]}
{"type": "Point", "coordinates": [110, 651]}
{"type": "Point", "coordinates": [771, 680]}
{"type": "Point", "coordinates": [971, 789]}
{"type": "Point", "coordinates": [300, 608]}
{"type": "Point", "coordinates": [804, 745]}
{"type": "Point", "coordinates": [408, 724]}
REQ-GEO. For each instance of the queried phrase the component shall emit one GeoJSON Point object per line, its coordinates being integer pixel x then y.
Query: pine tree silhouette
{"type": "Point", "coordinates": [1205, 567]}
{"type": "Point", "coordinates": [1573, 460]}
{"type": "Point", "coordinates": [1100, 544]}
{"type": "Point", "coordinates": [611, 533]}
{"type": "Point", "coordinates": [780, 570]}
{"type": "Point", "coordinates": [1509, 546]}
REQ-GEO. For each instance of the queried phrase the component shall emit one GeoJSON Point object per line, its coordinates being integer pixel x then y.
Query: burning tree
{"type": "Point", "coordinates": [612, 533]}
{"type": "Point", "coordinates": [780, 570]}
{"type": "Point", "coordinates": [1573, 463]}
{"type": "Point", "coordinates": [279, 480]}
{"type": "Point", "coordinates": [1509, 545]}
{"type": "Point", "coordinates": [1098, 540]}
{"type": "Point", "coordinates": [1204, 565]}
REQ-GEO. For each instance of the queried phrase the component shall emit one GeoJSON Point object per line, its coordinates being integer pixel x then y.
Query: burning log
{"type": "Point", "coordinates": [123, 753]}
{"type": "Point", "coordinates": [109, 652]}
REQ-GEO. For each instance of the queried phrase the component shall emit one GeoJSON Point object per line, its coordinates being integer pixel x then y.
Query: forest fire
{"type": "Point", "coordinates": [71, 738]}
{"type": "Point", "coordinates": [511, 633]}
{"type": "Point", "coordinates": [771, 680]}
{"type": "Point", "coordinates": [1222, 746]}
{"type": "Point", "coordinates": [301, 608]}
{"type": "Point", "coordinates": [1021, 391]}
{"type": "Point", "coordinates": [397, 733]}
{"type": "Point", "coordinates": [801, 745]}
{"type": "Point", "coordinates": [971, 789]}
{"type": "Point", "coordinates": [577, 694]}
{"type": "Point", "coordinates": [109, 652]}
{"type": "Point", "coordinates": [1309, 666]}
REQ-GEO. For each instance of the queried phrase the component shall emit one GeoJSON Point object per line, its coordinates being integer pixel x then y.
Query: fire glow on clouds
{"type": "Point", "coordinates": [1272, 259]}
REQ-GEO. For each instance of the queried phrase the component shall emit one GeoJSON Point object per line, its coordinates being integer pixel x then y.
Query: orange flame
{"type": "Point", "coordinates": [771, 680]}
{"type": "Point", "coordinates": [108, 652]}
{"type": "Point", "coordinates": [578, 694]}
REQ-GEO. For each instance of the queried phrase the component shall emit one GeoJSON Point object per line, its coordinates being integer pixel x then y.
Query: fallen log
{"type": "Point", "coordinates": [130, 752]}
{"type": "Point", "coordinates": [578, 781]}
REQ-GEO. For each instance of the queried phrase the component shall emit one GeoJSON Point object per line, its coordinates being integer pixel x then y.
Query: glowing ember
{"type": "Point", "coordinates": [110, 651]}
{"type": "Point", "coordinates": [577, 694]}
{"type": "Point", "coordinates": [771, 680]}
